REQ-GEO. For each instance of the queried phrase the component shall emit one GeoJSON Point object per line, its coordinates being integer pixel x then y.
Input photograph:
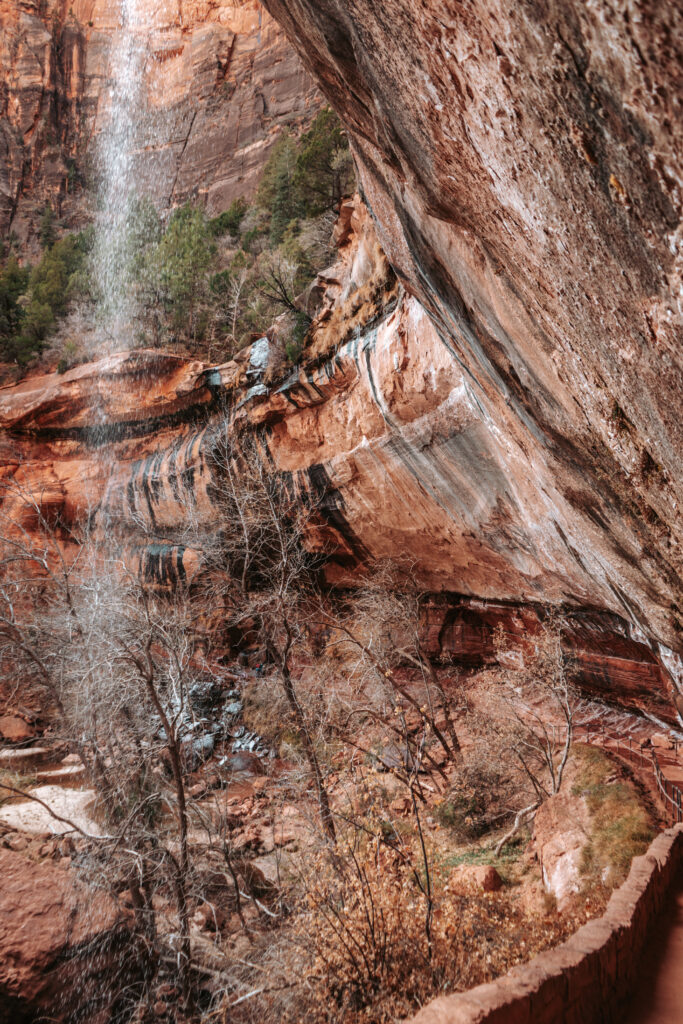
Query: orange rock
{"type": "Point", "coordinates": [389, 431]}
{"type": "Point", "coordinates": [15, 729]}
{"type": "Point", "coordinates": [221, 78]}
{"type": "Point", "coordinates": [60, 945]}
{"type": "Point", "coordinates": [484, 876]}
{"type": "Point", "coordinates": [539, 402]}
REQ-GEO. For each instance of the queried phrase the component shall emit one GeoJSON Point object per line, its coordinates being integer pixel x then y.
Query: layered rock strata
{"type": "Point", "coordinates": [219, 80]}
{"type": "Point", "coordinates": [523, 164]}
{"type": "Point", "coordinates": [384, 427]}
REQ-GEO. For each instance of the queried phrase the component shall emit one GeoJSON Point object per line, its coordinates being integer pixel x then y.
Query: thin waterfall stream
{"type": "Point", "coordinates": [118, 182]}
{"type": "Point", "coordinates": [316, 712]}
{"type": "Point", "coordinates": [118, 177]}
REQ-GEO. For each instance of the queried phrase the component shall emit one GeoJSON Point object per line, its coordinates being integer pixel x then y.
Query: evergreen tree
{"type": "Point", "coordinates": [175, 275]}
{"type": "Point", "coordinates": [324, 168]}
{"type": "Point", "coordinates": [47, 233]}
{"type": "Point", "coordinates": [13, 283]}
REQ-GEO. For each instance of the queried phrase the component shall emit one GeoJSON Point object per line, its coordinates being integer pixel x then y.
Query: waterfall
{"type": "Point", "coordinates": [117, 166]}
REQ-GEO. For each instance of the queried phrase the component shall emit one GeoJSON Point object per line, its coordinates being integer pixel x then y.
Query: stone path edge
{"type": "Point", "coordinates": [586, 979]}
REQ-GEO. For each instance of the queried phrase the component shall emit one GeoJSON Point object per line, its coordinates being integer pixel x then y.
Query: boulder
{"type": "Point", "coordinates": [62, 946]}
{"type": "Point", "coordinates": [662, 741]}
{"type": "Point", "coordinates": [14, 729]}
{"type": "Point", "coordinates": [483, 876]}
{"type": "Point", "coordinates": [561, 830]}
{"type": "Point", "coordinates": [209, 917]}
{"type": "Point", "coordinates": [486, 877]}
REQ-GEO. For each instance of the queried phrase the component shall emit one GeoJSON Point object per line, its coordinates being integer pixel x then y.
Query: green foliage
{"type": "Point", "coordinates": [294, 347]}
{"type": "Point", "coordinates": [280, 167]}
{"type": "Point", "coordinates": [306, 178]}
{"type": "Point", "coordinates": [171, 267]}
{"type": "Point", "coordinates": [69, 355]}
{"type": "Point", "coordinates": [47, 233]}
{"type": "Point", "coordinates": [31, 303]}
{"type": "Point", "coordinates": [190, 285]}
{"type": "Point", "coordinates": [193, 288]}
{"type": "Point", "coordinates": [250, 237]}
{"type": "Point", "coordinates": [183, 256]}
{"type": "Point", "coordinates": [486, 855]}
{"type": "Point", "coordinates": [228, 222]}
{"type": "Point", "coordinates": [324, 168]}
{"type": "Point", "coordinates": [143, 229]}
{"type": "Point", "coordinates": [621, 826]}
{"type": "Point", "coordinates": [285, 205]}
{"type": "Point", "coordinates": [13, 283]}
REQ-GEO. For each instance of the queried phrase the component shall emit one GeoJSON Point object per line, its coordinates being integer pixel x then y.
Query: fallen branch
{"type": "Point", "coordinates": [520, 818]}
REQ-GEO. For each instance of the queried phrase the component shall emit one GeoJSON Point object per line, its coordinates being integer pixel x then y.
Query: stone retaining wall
{"type": "Point", "coordinates": [588, 977]}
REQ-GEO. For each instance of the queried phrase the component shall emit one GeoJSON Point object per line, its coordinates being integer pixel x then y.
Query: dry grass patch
{"type": "Point", "coordinates": [622, 825]}
{"type": "Point", "coordinates": [374, 949]}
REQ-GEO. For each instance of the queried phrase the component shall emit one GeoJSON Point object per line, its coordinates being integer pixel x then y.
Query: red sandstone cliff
{"type": "Point", "coordinates": [384, 424]}
{"type": "Point", "coordinates": [523, 163]}
{"type": "Point", "coordinates": [220, 77]}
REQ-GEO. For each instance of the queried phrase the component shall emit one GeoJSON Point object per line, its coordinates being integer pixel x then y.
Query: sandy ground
{"type": "Point", "coordinates": [658, 999]}
{"type": "Point", "coordinates": [29, 816]}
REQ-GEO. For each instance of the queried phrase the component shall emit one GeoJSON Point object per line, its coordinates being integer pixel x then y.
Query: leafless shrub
{"type": "Point", "coordinates": [363, 945]}
{"type": "Point", "coordinates": [269, 578]}
{"type": "Point", "coordinates": [118, 664]}
{"type": "Point", "coordinates": [377, 634]}
{"type": "Point", "coordinates": [528, 726]}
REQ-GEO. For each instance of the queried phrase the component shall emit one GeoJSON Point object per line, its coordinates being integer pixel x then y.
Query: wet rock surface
{"type": "Point", "coordinates": [73, 806]}
{"type": "Point", "coordinates": [522, 163]}
{"type": "Point", "coordinates": [385, 426]}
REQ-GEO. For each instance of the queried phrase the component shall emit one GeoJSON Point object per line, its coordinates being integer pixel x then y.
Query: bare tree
{"type": "Point", "coordinates": [118, 662]}
{"type": "Point", "coordinates": [270, 575]}
{"type": "Point", "coordinates": [532, 736]}
{"type": "Point", "coordinates": [278, 282]}
{"type": "Point", "coordinates": [237, 285]}
{"type": "Point", "coordinates": [378, 629]}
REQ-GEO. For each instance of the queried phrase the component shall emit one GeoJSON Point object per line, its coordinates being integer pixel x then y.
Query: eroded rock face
{"type": "Point", "coordinates": [220, 78]}
{"type": "Point", "coordinates": [62, 951]}
{"type": "Point", "coordinates": [126, 388]}
{"type": "Point", "coordinates": [561, 831]}
{"type": "Point", "coordinates": [383, 424]}
{"type": "Point", "coordinates": [523, 165]}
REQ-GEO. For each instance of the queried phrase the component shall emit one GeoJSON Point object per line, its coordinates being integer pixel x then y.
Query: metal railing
{"type": "Point", "coordinates": [642, 757]}
{"type": "Point", "coordinates": [670, 792]}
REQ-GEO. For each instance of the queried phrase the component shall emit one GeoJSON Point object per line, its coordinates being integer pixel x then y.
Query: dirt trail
{"type": "Point", "coordinates": [658, 999]}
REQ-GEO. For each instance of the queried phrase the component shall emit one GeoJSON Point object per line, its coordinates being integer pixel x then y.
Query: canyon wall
{"type": "Point", "coordinates": [499, 400]}
{"type": "Point", "coordinates": [220, 79]}
{"type": "Point", "coordinates": [384, 427]}
{"type": "Point", "coordinates": [522, 161]}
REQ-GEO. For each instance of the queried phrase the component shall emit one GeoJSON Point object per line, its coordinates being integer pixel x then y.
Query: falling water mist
{"type": "Point", "coordinates": [117, 165]}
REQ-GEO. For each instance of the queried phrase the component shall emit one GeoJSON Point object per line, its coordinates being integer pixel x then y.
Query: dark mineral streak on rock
{"type": "Point", "coordinates": [522, 162]}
